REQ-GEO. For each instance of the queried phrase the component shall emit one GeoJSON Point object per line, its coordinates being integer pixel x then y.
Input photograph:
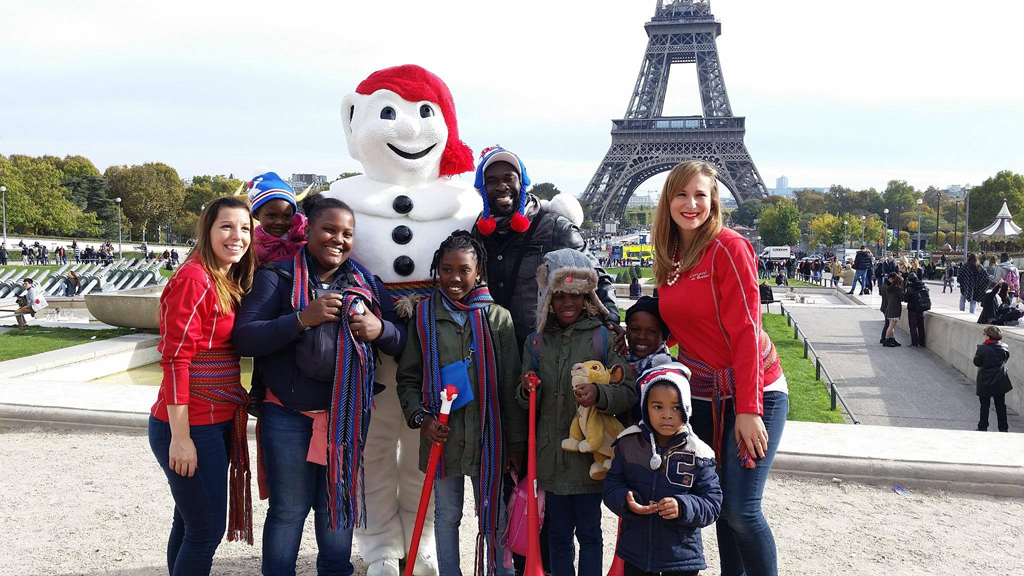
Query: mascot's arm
{"type": "Point", "coordinates": [513, 417]}
{"type": "Point", "coordinates": [409, 377]}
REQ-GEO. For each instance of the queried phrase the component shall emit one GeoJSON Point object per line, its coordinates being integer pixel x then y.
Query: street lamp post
{"type": "Point", "coordinates": [919, 202]}
{"type": "Point", "coordinates": [120, 254]}
{"type": "Point", "coordinates": [3, 194]}
{"type": "Point", "coordinates": [845, 237]}
{"type": "Point", "coordinates": [863, 224]}
{"type": "Point", "coordinates": [899, 213]}
{"type": "Point", "coordinates": [885, 233]}
{"type": "Point", "coordinates": [967, 215]}
{"type": "Point", "coordinates": [956, 212]}
{"type": "Point", "coordinates": [938, 196]}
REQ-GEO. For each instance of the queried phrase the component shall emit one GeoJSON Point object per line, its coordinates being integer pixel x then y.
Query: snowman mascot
{"type": "Point", "coordinates": [400, 125]}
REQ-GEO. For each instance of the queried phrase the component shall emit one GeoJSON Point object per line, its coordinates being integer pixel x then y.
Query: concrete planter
{"type": "Point", "coordinates": [138, 308]}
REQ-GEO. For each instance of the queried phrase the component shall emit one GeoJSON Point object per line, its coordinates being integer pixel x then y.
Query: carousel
{"type": "Point", "coordinates": [1000, 235]}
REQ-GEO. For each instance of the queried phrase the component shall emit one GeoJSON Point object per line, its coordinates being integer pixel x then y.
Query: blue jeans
{"type": "Point", "coordinates": [448, 501]}
{"type": "Point", "coordinates": [200, 502]}
{"type": "Point", "coordinates": [578, 514]}
{"type": "Point", "coordinates": [861, 275]}
{"type": "Point", "coordinates": [296, 487]}
{"type": "Point", "coordinates": [745, 542]}
{"type": "Point", "coordinates": [964, 300]}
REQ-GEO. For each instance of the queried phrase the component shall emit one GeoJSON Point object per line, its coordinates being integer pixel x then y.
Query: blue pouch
{"type": "Point", "coordinates": [457, 374]}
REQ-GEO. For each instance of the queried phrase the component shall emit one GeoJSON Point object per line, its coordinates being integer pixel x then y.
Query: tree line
{"type": "Point", "coordinates": [829, 217]}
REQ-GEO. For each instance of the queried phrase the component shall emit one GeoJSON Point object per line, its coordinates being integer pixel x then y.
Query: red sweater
{"type": "Point", "coordinates": [195, 347]}
{"type": "Point", "coordinates": [714, 312]}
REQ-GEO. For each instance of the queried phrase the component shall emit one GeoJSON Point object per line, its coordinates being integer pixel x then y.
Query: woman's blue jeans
{"type": "Point", "coordinates": [296, 487]}
{"type": "Point", "coordinates": [745, 542]}
{"type": "Point", "coordinates": [449, 497]}
{"type": "Point", "coordinates": [578, 514]}
{"type": "Point", "coordinates": [964, 300]}
{"type": "Point", "coordinates": [200, 502]}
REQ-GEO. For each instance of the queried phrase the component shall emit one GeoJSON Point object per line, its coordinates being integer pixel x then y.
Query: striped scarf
{"type": "Point", "coordinates": [707, 382]}
{"type": "Point", "coordinates": [216, 378]}
{"type": "Point", "coordinates": [492, 457]}
{"type": "Point", "coordinates": [351, 397]}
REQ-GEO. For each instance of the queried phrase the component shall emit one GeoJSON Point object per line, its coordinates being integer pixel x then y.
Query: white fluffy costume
{"type": "Point", "coordinates": [400, 125]}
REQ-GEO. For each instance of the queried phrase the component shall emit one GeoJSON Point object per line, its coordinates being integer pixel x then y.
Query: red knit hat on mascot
{"type": "Point", "coordinates": [414, 83]}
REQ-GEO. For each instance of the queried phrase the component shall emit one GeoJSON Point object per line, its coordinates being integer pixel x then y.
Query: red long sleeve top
{"type": "Point", "coordinates": [714, 312]}
{"type": "Point", "coordinates": [195, 346]}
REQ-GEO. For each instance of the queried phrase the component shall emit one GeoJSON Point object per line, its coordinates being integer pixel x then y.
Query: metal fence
{"type": "Point", "coordinates": [819, 368]}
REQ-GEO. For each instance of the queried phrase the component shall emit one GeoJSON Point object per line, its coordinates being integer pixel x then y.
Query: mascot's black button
{"type": "Point", "coordinates": [404, 265]}
{"type": "Point", "coordinates": [401, 234]}
{"type": "Point", "coordinates": [402, 204]}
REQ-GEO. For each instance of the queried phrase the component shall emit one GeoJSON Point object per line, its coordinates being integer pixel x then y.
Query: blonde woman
{"type": "Point", "coordinates": [706, 276]}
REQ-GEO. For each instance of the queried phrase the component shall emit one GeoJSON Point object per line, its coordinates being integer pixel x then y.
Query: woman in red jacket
{"type": "Point", "coordinates": [197, 426]}
{"type": "Point", "coordinates": [707, 282]}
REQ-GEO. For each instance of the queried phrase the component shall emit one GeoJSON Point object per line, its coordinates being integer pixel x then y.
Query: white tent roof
{"type": "Point", "coordinates": [1002, 227]}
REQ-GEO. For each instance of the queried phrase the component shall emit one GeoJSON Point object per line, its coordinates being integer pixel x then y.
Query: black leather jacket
{"type": "Point", "coordinates": [991, 362]}
{"type": "Point", "coordinates": [519, 294]}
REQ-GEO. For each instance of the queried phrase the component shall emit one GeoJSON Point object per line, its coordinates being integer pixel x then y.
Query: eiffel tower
{"type": "Point", "coordinates": [645, 143]}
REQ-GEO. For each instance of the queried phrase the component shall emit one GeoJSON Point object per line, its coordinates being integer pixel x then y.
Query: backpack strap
{"type": "Point", "coordinates": [535, 349]}
{"type": "Point", "coordinates": [599, 339]}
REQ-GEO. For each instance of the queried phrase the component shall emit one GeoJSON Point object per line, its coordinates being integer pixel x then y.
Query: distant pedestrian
{"type": "Point", "coordinates": [72, 285]}
{"type": "Point", "coordinates": [892, 306]}
{"type": "Point", "coordinates": [1008, 273]}
{"type": "Point", "coordinates": [861, 264]}
{"type": "Point", "coordinates": [973, 281]}
{"type": "Point", "coordinates": [993, 380]}
{"type": "Point", "coordinates": [3, 254]}
{"type": "Point", "coordinates": [918, 302]}
{"type": "Point", "coordinates": [947, 278]}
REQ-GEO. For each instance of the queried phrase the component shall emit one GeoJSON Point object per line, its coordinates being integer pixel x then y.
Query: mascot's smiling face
{"type": "Point", "coordinates": [397, 141]}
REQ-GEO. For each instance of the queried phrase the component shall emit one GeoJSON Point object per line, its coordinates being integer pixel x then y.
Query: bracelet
{"type": "Point", "coordinates": [298, 316]}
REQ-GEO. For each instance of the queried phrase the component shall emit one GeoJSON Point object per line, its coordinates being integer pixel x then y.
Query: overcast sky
{"type": "Point", "coordinates": [852, 93]}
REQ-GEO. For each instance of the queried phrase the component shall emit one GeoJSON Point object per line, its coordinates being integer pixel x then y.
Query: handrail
{"type": "Point", "coordinates": [819, 368]}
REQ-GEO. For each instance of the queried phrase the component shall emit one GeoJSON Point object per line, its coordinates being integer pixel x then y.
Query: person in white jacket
{"type": "Point", "coordinates": [33, 302]}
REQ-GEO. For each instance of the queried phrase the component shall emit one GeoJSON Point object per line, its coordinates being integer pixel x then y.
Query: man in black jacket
{"type": "Point", "coordinates": [517, 232]}
{"type": "Point", "coordinates": [861, 263]}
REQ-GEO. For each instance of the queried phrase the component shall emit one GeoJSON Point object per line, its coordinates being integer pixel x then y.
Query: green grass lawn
{"type": "Point", "coordinates": [18, 344]}
{"type": "Point", "coordinates": [644, 272]}
{"type": "Point", "coordinates": [808, 398]}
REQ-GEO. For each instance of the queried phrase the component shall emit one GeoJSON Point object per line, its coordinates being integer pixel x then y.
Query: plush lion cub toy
{"type": "Point", "coordinates": [592, 430]}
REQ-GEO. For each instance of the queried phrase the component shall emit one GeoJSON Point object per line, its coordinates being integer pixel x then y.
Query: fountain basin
{"type": "Point", "coordinates": [139, 308]}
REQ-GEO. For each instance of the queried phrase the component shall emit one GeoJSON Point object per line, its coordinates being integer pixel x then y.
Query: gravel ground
{"type": "Point", "coordinates": [96, 503]}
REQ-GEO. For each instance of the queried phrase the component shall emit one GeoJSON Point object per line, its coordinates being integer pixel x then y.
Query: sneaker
{"type": "Point", "coordinates": [895, 342]}
{"type": "Point", "coordinates": [888, 344]}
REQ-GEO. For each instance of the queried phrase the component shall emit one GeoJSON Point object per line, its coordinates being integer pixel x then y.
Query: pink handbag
{"type": "Point", "coordinates": [516, 540]}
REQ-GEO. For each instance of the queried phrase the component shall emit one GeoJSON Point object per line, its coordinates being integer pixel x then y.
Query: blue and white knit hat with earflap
{"type": "Point", "coordinates": [269, 186]}
{"type": "Point", "coordinates": [678, 376]}
{"type": "Point", "coordinates": [486, 223]}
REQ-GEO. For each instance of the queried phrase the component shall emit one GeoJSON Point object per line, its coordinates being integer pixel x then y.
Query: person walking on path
{"type": "Point", "coordinates": [861, 263]}
{"type": "Point", "coordinates": [993, 380]}
{"type": "Point", "coordinates": [893, 307]}
{"type": "Point", "coordinates": [3, 254]}
{"type": "Point", "coordinates": [948, 273]}
{"type": "Point", "coordinates": [197, 427]}
{"type": "Point", "coordinates": [706, 276]}
{"type": "Point", "coordinates": [918, 302]}
{"type": "Point", "coordinates": [973, 281]}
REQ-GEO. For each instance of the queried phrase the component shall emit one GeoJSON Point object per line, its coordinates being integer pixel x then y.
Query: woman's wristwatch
{"type": "Point", "coordinates": [417, 418]}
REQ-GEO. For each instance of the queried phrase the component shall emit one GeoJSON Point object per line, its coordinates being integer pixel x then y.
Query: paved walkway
{"type": "Point", "coordinates": [909, 387]}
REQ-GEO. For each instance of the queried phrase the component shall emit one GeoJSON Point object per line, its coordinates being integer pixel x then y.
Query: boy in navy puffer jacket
{"type": "Point", "coordinates": [662, 482]}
